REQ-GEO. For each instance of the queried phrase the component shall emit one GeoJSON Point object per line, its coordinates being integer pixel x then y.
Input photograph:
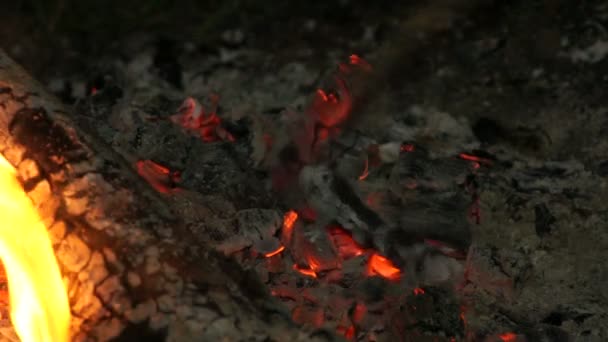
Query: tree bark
{"type": "Point", "coordinates": [133, 271]}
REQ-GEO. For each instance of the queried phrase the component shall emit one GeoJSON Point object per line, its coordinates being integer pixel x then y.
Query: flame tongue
{"type": "Point", "coordinates": [40, 310]}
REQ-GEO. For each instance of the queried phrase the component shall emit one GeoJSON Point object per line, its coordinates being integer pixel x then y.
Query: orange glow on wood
{"type": "Point", "coordinates": [348, 333]}
{"type": "Point", "coordinates": [473, 158]}
{"type": "Point", "coordinates": [161, 170]}
{"type": "Point", "coordinates": [365, 170]}
{"type": "Point", "coordinates": [358, 61]}
{"type": "Point", "coordinates": [289, 221]}
{"type": "Point", "coordinates": [379, 265]}
{"type": "Point", "coordinates": [508, 337]}
{"type": "Point", "coordinates": [156, 175]}
{"type": "Point", "coordinates": [407, 148]}
{"type": "Point", "coordinates": [313, 263]}
{"type": "Point", "coordinates": [359, 312]}
{"type": "Point", "coordinates": [194, 117]}
{"type": "Point", "coordinates": [273, 253]}
{"type": "Point", "coordinates": [40, 310]}
{"type": "Point", "coordinates": [323, 95]}
{"type": "Point", "coordinates": [346, 246]}
{"type": "Point", "coordinates": [305, 271]}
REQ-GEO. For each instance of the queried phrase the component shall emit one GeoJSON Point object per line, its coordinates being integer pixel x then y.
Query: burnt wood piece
{"type": "Point", "coordinates": [133, 271]}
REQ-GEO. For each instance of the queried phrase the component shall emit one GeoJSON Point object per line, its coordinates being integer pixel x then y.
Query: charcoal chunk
{"type": "Point", "coordinates": [488, 131]}
{"type": "Point", "coordinates": [602, 169]}
{"type": "Point", "coordinates": [544, 220]}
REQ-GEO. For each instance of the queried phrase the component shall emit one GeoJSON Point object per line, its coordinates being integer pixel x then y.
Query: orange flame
{"type": "Point", "coordinates": [40, 310]}
{"type": "Point", "coordinates": [275, 252]}
{"type": "Point", "coordinates": [379, 265]}
{"type": "Point", "coordinates": [418, 291]}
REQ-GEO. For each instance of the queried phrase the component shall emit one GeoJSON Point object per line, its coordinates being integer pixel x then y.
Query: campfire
{"type": "Point", "coordinates": [367, 238]}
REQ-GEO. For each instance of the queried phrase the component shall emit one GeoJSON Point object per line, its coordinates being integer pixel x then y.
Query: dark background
{"type": "Point", "coordinates": [60, 31]}
{"type": "Point", "coordinates": [488, 56]}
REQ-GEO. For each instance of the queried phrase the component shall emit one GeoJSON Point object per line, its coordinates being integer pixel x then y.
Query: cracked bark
{"type": "Point", "coordinates": [132, 269]}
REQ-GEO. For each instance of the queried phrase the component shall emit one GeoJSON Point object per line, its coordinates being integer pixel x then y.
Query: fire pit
{"type": "Point", "coordinates": [121, 255]}
{"type": "Point", "coordinates": [206, 207]}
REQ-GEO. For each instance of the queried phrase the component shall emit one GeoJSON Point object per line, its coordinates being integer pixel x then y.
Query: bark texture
{"type": "Point", "coordinates": [133, 271]}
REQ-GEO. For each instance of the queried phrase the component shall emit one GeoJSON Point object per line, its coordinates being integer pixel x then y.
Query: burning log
{"type": "Point", "coordinates": [130, 268]}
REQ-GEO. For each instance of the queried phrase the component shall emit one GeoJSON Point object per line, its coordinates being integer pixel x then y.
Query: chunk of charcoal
{"type": "Point", "coordinates": [602, 169]}
{"type": "Point", "coordinates": [554, 318]}
{"type": "Point", "coordinates": [373, 289]}
{"type": "Point", "coordinates": [544, 220]}
{"type": "Point", "coordinates": [166, 62]}
{"type": "Point", "coordinates": [529, 138]}
{"type": "Point", "coordinates": [239, 129]}
{"type": "Point", "coordinates": [488, 131]}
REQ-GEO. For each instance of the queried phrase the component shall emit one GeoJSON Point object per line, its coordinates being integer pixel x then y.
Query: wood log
{"type": "Point", "coordinates": [132, 269]}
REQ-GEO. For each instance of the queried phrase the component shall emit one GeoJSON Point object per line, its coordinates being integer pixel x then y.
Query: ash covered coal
{"type": "Point", "coordinates": [377, 222]}
{"type": "Point", "coordinates": [341, 248]}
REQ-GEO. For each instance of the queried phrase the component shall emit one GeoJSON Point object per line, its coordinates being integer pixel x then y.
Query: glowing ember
{"type": "Point", "coordinates": [358, 61]}
{"type": "Point", "coordinates": [365, 170]}
{"type": "Point", "coordinates": [348, 333]}
{"type": "Point", "coordinates": [273, 253]}
{"type": "Point", "coordinates": [332, 108]}
{"type": "Point", "coordinates": [407, 148]}
{"type": "Point", "coordinates": [475, 159]}
{"type": "Point", "coordinates": [305, 271]}
{"type": "Point", "coordinates": [38, 298]}
{"type": "Point", "coordinates": [160, 177]}
{"type": "Point", "coordinates": [359, 312]}
{"type": "Point", "coordinates": [344, 243]}
{"type": "Point", "coordinates": [379, 265]}
{"type": "Point", "coordinates": [462, 316]}
{"type": "Point", "coordinates": [313, 263]}
{"type": "Point", "coordinates": [193, 117]}
{"type": "Point", "coordinates": [508, 337]}
{"type": "Point", "coordinates": [418, 291]}
{"type": "Point", "coordinates": [289, 220]}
